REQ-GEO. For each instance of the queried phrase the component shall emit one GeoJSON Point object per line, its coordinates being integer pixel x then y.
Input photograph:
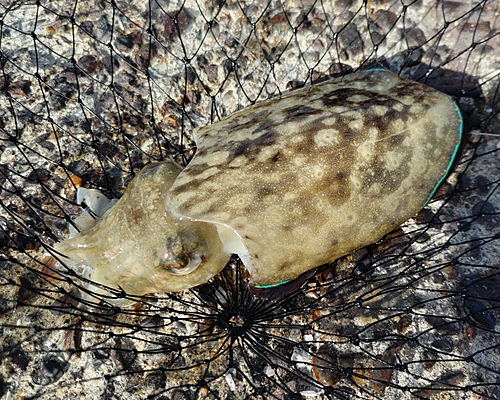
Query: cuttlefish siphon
{"type": "Point", "coordinates": [287, 184]}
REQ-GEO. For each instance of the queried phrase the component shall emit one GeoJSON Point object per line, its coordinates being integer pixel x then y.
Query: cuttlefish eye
{"type": "Point", "coordinates": [183, 253]}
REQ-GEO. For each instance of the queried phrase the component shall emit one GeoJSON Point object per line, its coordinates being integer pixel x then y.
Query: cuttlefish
{"type": "Point", "coordinates": [287, 184]}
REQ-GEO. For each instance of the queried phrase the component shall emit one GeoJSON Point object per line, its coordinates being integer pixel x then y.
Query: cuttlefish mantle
{"type": "Point", "coordinates": [287, 184]}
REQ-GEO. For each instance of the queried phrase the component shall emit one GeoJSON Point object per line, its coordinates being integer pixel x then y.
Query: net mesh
{"type": "Point", "coordinates": [92, 91]}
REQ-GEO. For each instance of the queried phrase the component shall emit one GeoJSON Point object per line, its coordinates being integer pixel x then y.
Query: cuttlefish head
{"type": "Point", "coordinates": [140, 247]}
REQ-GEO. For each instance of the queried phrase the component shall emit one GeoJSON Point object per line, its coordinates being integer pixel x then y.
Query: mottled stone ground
{"type": "Point", "coordinates": [91, 95]}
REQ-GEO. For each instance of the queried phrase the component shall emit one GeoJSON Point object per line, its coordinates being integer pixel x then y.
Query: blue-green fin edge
{"type": "Point", "coordinates": [457, 147]}
{"type": "Point", "coordinates": [272, 285]}
{"type": "Point", "coordinates": [452, 160]}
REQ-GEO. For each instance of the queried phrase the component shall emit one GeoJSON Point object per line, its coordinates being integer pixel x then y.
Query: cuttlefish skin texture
{"type": "Point", "coordinates": [140, 247]}
{"type": "Point", "coordinates": [324, 170]}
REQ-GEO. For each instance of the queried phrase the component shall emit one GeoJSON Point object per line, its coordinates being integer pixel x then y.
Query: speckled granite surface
{"type": "Point", "coordinates": [92, 91]}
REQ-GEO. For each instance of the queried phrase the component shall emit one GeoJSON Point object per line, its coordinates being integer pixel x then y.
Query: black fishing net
{"type": "Point", "coordinates": [93, 91]}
